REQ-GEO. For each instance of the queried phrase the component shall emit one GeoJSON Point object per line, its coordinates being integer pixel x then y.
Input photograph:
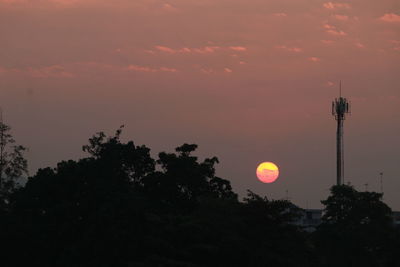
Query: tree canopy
{"type": "Point", "coordinates": [356, 230]}
{"type": "Point", "coordinates": [120, 207]}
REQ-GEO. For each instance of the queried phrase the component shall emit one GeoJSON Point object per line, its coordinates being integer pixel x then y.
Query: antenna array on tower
{"type": "Point", "coordinates": [340, 107]}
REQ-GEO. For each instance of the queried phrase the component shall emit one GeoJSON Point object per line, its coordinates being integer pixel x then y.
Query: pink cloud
{"type": "Point", "coordinates": [82, 68]}
{"type": "Point", "coordinates": [330, 84]}
{"type": "Point", "coordinates": [295, 49]}
{"type": "Point", "coordinates": [314, 59]}
{"type": "Point", "coordinates": [327, 42]}
{"type": "Point", "coordinates": [359, 45]}
{"type": "Point", "coordinates": [228, 70]}
{"type": "Point", "coordinates": [169, 7]}
{"type": "Point", "coordinates": [238, 48]}
{"type": "Point", "coordinates": [207, 71]}
{"type": "Point", "coordinates": [390, 17]}
{"type": "Point", "coordinates": [54, 71]}
{"type": "Point", "coordinates": [165, 49]}
{"type": "Point", "coordinates": [327, 26]}
{"type": "Point", "coordinates": [140, 68]}
{"type": "Point", "coordinates": [331, 5]}
{"type": "Point", "coordinates": [200, 50]}
{"type": "Point", "coordinates": [54, 2]}
{"type": "Point", "coordinates": [333, 31]}
{"type": "Point", "coordinates": [168, 69]}
{"type": "Point", "coordinates": [290, 49]}
{"type": "Point", "coordinates": [206, 49]}
{"type": "Point", "coordinates": [341, 17]}
{"type": "Point", "coordinates": [280, 14]}
{"type": "Point", "coordinates": [185, 50]}
{"type": "Point", "coordinates": [149, 69]}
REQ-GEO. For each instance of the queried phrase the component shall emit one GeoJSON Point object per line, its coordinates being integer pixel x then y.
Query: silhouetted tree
{"type": "Point", "coordinates": [277, 241]}
{"type": "Point", "coordinates": [108, 206]}
{"type": "Point", "coordinates": [120, 207]}
{"type": "Point", "coordinates": [132, 161]}
{"type": "Point", "coordinates": [87, 212]}
{"type": "Point", "coordinates": [183, 180]}
{"type": "Point", "coordinates": [356, 229]}
{"type": "Point", "coordinates": [13, 164]}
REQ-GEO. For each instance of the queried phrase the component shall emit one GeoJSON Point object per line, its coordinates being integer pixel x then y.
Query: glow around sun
{"type": "Point", "coordinates": [267, 172]}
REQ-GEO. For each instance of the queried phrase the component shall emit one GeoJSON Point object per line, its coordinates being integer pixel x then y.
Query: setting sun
{"type": "Point", "coordinates": [267, 172]}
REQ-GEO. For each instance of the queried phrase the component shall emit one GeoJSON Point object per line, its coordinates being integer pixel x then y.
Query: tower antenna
{"type": "Point", "coordinates": [381, 176]}
{"type": "Point", "coordinates": [340, 107]}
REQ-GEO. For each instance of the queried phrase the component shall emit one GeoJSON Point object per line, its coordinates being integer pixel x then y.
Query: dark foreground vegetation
{"type": "Point", "coordinates": [120, 207]}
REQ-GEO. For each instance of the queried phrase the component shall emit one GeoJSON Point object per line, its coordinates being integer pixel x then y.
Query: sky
{"type": "Point", "coordinates": [247, 80]}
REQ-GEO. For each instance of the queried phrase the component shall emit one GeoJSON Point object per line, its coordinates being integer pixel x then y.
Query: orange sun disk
{"type": "Point", "coordinates": [267, 172]}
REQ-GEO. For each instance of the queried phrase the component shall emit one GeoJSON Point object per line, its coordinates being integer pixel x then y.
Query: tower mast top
{"type": "Point", "coordinates": [340, 107]}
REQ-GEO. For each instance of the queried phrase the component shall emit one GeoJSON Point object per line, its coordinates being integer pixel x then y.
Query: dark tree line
{"type": "Point", "coordinates": [121, 207]}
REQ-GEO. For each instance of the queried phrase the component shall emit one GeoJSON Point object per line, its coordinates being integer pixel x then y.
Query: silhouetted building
{"type": "Point", "coordinates": [396, 218]}
{"type": "Point", "coordinates": [310, 219]}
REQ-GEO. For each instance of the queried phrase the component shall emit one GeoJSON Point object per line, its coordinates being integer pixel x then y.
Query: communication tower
{"type": "Point", "coordinates": [340, 107]}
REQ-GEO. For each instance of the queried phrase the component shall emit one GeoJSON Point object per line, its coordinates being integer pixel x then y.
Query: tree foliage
{"type": "Point", "coordinates": [120, 207]}
{"type": "Point", "coordinates": [357, 226]}
{"type": "Point", "coordinates": [13, 164]}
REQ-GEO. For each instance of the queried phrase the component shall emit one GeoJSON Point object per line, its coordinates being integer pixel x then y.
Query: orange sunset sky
{"type": "Point", "coordinates": [246, 80]}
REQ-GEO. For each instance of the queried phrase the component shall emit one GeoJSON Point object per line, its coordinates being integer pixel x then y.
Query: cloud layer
{"type": "Point", "coordinates": [249, 80]}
